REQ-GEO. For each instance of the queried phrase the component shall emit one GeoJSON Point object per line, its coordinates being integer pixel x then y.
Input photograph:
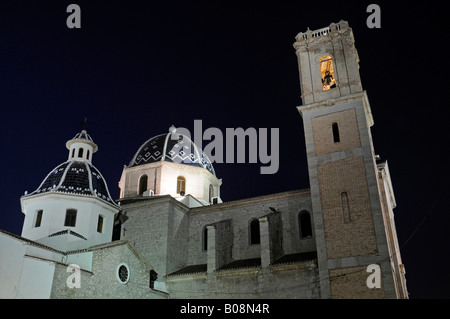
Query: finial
{"type": "Point", "coordinates": [172, 129]}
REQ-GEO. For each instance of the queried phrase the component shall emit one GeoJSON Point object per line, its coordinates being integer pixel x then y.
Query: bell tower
{"type": "Point", "coordinates": [351, 205]}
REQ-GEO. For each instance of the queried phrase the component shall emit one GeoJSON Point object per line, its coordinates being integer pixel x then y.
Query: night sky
{"type": "Point", "coordinates": [134, 69]}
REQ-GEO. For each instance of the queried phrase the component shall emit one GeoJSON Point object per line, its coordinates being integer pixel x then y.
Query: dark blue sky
{"type": "Point", "coordinates": [134, 69]}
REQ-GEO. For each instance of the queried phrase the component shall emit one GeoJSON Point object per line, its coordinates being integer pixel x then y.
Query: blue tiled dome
{"type": "Point", "coordinates": [171, 147]}
{"type": "Point", "coordinates": [75, 177]}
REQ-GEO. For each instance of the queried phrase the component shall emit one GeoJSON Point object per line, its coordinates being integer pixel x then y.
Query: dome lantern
{"type": "Point", "coordinates": [81, 147]}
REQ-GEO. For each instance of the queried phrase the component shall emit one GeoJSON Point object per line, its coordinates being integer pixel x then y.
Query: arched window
{"type": "Point", "coordinates": [80, 152]}
{"type": "Point", "coordinates": [205, 238]}
{"type": "Point", "coordinates": [73, 153]}
{"type": "Point", "coordinates": [327, 72]}
{"type": "Point", "coordinates": [254, 236]}
{"type": "Point", "coordinates": [181, 185]}
{"type": "Point", "coordinates": [143, 184]}
{"type": "Point", "coordinates": [345, 207]}
{"type": "Point", "coordinates": [335, 129]}
{"type": "Point", "coordinates": [87, 155]}
{"type": "Point", "coordinates": [304, 220]}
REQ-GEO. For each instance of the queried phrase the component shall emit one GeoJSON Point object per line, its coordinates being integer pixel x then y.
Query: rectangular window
{"type": "Point", "coordinates": [38, 218]}
{"type": "Point", "coordinates": [100, 224]}
{"type": "Point", "coordinates": [181, 185]}
{"type": "Point", "coordinates": [71, 218]}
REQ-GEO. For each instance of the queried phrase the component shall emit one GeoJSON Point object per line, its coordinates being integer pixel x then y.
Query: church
{"type": "Point", "coordinates": [170, 235]}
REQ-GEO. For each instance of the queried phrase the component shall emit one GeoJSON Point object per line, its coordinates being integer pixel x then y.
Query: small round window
{"type": "Point", "coordinates": [123, 273]}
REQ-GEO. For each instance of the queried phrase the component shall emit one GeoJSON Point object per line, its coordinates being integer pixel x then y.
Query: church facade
{"type": "Point", "coordinates": [170, 235]}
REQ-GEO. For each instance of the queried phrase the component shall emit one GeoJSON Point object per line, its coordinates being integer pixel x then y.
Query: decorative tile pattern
{"type": "Point", "coordinates": [171, 147]}
{"type": "Point", "coordinates": [67, 231]}
{"type": "Point", "coordinates": [75, 177]}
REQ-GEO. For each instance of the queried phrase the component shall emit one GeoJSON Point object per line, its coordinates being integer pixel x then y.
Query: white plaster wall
{"type": "Point", "coordinates": [54, 208]}
{"type": "Point", "coordinates": [23, 277]}
{"type": "Point", "coordinates": [86, 147]}
{"type": "Point", "coordinates": [197, 180]}
{"type": "Point", "coordinates": [36, 278]}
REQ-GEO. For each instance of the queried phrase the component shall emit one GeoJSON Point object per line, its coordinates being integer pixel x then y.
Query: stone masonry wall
{"type": "Point", "coordinates": [323, 136]}
{"type": "Point", "coordinates": [158, 230]}
{"type": "Point", "coordinates": [298, 281]}
{"type": "Point", "coordinates": [350, 283]}
{"type": "Point", "coordinates": [289, 204]}
{"type": "Point", "coordinates": [356, 237]}
{"type": "Point", "coordinates": [103, 281]}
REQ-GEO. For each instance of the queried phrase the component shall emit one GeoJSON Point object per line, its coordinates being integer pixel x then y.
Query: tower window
{"type": "Point", "coordinates": [73, 153]}
{"type": "Point", "coordinates": [38, 218]}
{"type": "Point", "coordinates": [335, 129]}
{"type": "Point", "coordinates": [143, 184]}
{"type": "Point", "coordinates": [181, 185]}
{"type": "Point", "coordinates": [80, 152]}
{"type": "Point", "coordinates": [100, 224]}
{"type": "Point", "coordinates": [71, 218]}
{"type": "Point", "coordinates": [345, 207]}
{"type": "Point", "coordinates": [87, 155]}
{"type": "Point", "coordinates": [304, 219]}
{"type": "Point", "coordinates": [254, 232]}
{"type": "Point", "coordinates": [327, 73]}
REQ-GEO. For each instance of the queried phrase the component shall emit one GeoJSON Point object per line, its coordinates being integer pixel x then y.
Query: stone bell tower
{"type": "Point", "coordinates": [351, 191]}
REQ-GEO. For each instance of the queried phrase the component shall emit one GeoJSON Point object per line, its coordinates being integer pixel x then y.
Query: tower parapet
{"type": "Point", "coordinates": [328, 63]}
